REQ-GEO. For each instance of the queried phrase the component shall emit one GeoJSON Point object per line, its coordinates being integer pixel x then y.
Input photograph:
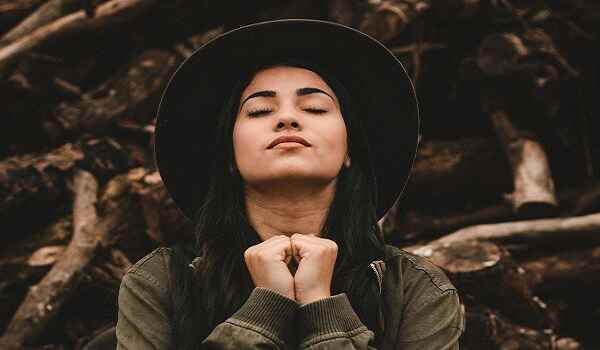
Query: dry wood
{"type": "Point", "coordinates": [115, 206]}
{"type": "Point", "coordinates": [31, 184]}
{"type": "Point", "coordinates": [540, 231]}
{"type": "Point", "coordinates": [10, 8]}
{"type": "Point", "coordinates": [164, 222]}
{"type": "Point", "coordinates": [533, 194]}
{"type": "Point", "coordinates": [385, 20]}
{"type": "Point", "coordinates": [46, 298]}
{"type": "Point", "coordinates": [413, 226]}
{"type": "Point", "coordinates": [588, 201]}
{"type": "Point", "coordinates": [46, 13]}
{"type": "Point", "coordinates": [107, 14]}
{"type": "Point", "coordinates": [580, 267]}
{"type": "Point", "coordinates": [344, 11]}
{"type": "Point", "coordinates": [490, 330]}
{"type": "Point", "coordinates": [290, 9]}
{"type": "Point", "coordinates": [467, 165]}
{"type": "Point", "coordinates": [133, 92]}
{"type": "Point", "coordinates": [487, 272]}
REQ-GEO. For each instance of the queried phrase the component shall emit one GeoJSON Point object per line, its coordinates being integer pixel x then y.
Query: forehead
{"type": "Point", "coordinates": [285, 78]}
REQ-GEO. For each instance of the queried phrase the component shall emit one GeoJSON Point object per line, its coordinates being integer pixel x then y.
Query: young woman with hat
{"type": "Point", "coordinates": [285, 142]}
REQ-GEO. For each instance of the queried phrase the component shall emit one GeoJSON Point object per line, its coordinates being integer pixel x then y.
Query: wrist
{"type": "Point", "coordinates": [306, 298]}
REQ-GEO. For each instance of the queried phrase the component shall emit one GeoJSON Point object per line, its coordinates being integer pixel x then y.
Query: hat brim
{"type": "Point", "coordinates": [194, 96]}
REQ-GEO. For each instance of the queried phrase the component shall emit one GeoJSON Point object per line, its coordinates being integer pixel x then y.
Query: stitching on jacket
{"type": "Point", "coordinates": [145, 275]}
{"type": "Point", "coordinates": [435, 279]}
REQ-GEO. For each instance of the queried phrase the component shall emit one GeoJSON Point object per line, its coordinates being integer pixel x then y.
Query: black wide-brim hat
{"type": "Point", "coordinates": [194, 96]}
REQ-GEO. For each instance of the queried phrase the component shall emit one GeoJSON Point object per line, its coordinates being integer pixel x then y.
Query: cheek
{"type": "Point", "coordinates": [336, 136]}
{"type": "Point", "coordinates": [244, 141]}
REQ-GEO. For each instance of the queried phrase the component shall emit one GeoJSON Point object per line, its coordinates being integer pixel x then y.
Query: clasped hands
{"type": "Point", "coordinates": [268, 263]}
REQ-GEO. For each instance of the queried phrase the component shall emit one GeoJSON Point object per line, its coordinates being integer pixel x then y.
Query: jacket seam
{"type": "Point", "coordinates": [257, 329]}
{"type": "Point", "coordinates": [443, 287]}
{"type": "Point", "coordinates": [146, 276]}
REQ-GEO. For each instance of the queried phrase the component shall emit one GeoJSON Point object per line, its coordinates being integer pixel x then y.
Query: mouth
{"type": "Point", "coordinates": [289, 141]}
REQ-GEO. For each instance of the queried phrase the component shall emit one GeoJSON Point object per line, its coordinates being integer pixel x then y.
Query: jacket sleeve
{"type": "Point", "coordinates": [434, 321]}
{"type": "Point", "coordinates": [263, 322]}
{"type": "Point", "coordinates": [332, 323]}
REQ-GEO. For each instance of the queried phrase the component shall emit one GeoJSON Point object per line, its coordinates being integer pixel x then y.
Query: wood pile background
{"type": "Point", "coordinates": [504, 194]}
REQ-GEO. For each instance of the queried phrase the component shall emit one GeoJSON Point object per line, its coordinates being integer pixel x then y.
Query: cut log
{"type": "Point", "coordinates": [107, 14]}
{"type": "Point", "coordinates": [487, 273]}
{"type": "Point", "coordinates": [45, 299]}
{"type": "Point", "coordinates": [32, 185]}
{"type": "Point", "coordinates": [533, 194]}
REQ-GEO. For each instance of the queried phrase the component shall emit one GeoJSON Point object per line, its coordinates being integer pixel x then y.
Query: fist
{"type": "Point", "coordinates": [267, 263]}
{"type": "Point", "coordinates": [316, 258]}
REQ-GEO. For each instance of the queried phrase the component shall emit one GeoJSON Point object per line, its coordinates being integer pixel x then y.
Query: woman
{"type": "Point", "coordinates": [285, 183]}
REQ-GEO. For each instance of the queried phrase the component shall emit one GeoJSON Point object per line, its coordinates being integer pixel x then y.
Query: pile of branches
{"type": "Point", "coordinates": [504, 194]}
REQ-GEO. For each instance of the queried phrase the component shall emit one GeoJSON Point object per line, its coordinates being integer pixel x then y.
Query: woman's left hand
{"type": "Point", "coordinates": [316, 259]}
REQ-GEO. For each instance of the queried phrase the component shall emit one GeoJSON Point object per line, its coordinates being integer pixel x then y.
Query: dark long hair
{"type": "Point", "coordinates": [220, 283]}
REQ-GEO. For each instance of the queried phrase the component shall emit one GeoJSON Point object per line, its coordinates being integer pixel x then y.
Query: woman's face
{"type": "Point", "coordinates": [289, 101]}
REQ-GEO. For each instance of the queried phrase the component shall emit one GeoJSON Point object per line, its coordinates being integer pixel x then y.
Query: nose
{"type": "Point", "coordinates": [287, 121]}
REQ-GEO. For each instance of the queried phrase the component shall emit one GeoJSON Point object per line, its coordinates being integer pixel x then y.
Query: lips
{"type": "Point", "coordinates": [289, 138]}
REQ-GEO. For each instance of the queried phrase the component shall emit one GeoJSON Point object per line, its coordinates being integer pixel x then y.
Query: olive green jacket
{"type": "Point", "coordinates": [421, 311]}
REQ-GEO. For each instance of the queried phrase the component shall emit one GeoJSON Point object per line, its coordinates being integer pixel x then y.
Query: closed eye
{"type": "Point", "coordinates": [316, 110]}
{"type": "Point", "coordinates": [265, 111]}
{"type": "Point", "coordinates": [259, 112]}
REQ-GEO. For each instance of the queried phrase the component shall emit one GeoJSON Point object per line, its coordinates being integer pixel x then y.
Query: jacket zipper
{"type": "Point", "coordinates": [377, 274]}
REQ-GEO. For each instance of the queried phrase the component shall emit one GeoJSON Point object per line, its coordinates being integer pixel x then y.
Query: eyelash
{"type": "Point", "coordinates": [266, 110]}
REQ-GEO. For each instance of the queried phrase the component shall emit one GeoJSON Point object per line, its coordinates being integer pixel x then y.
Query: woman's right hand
{"type": "Point", "coordinates": [267, 263]}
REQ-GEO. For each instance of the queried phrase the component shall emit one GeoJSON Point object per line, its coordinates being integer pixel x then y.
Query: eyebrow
{"type": "Point", "coordinates": [300, 92]}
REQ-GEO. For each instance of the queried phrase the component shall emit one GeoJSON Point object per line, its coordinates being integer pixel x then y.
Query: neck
{"type": "Point", "coordinates": [288, 209]}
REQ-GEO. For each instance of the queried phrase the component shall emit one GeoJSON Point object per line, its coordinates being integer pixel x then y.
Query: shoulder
{"type": "Point", "coordinates": [151, 269]}
{"type": "Point", "coordinates": [143, 303]}
{"type": "Point", "coordinates": [425, 300]}
{"type": "Point", "coordinates": [416, 270]}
